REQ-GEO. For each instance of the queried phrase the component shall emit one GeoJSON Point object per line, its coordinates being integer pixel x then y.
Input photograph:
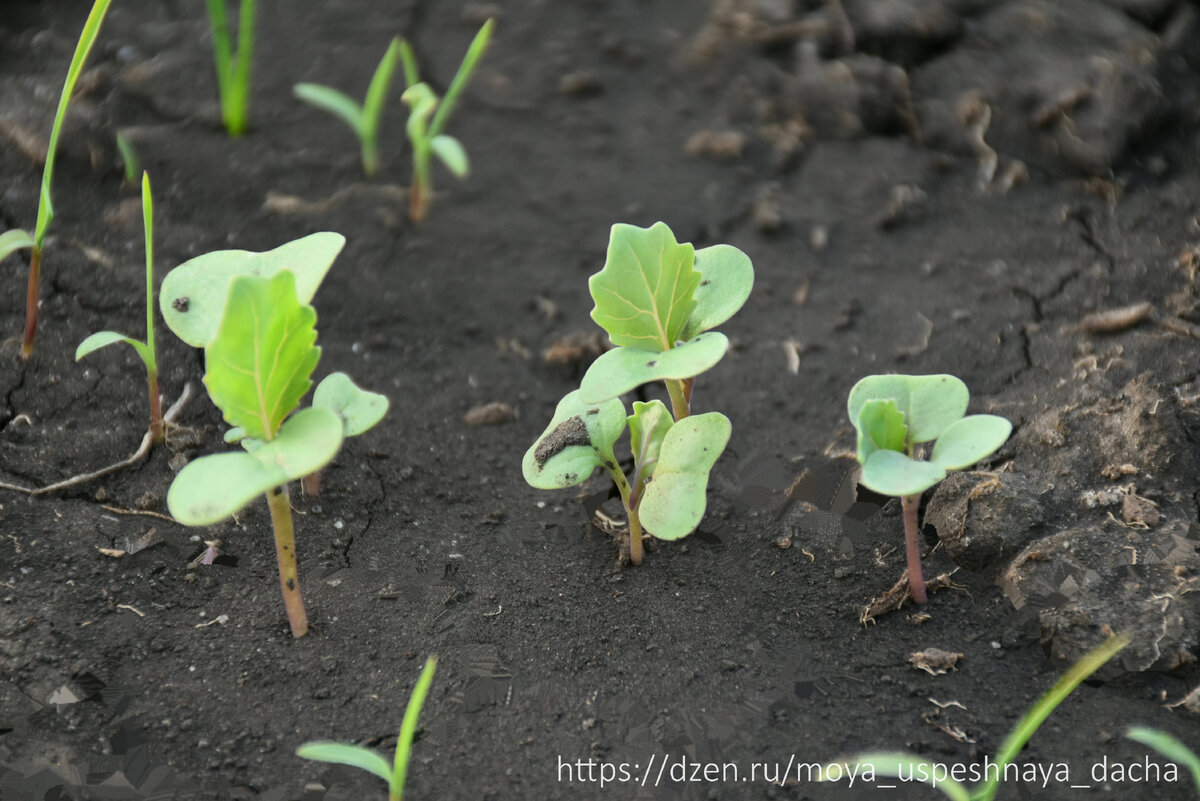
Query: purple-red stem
{"type": "Point", "coordinates": [157, 429]}
{"type": "Point", "coordinates": [31, 303]}
{"type": "Point", "coordinates": [912, 546]}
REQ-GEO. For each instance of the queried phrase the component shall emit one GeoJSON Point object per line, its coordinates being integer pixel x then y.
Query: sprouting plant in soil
{"type": "Point", "coordinates": [658, 300]}
{"type": "Point", "coordinates": [233, 61]}
{"type": "Point", "coordinates": [14, 240]}
{"type": "Point", "coordinates": [145, 350]}
{"type": "Point", "coordinates": [258, 366]}
{"type": "Point", "coordinates": [358, 757]}
{"type": "Point", "coordinates": [364, 118]}
{"type": "Point", "coordinates": [893, 415]}
{"type": "Point", "coordinates": [1170, 747]}
{"type": "Point", "coordinates": [910, 767]}
{"type": "Point", "coordinates": [427, 118]}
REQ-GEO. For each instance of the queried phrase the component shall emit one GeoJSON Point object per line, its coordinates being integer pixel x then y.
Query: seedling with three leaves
{"type": "Point", "coordinates": [427, 118]}
{"type": "Point", "coordinates": [893, 415]}
{"type": "Point", "coordinates": [358, 757]}
{"type": "Point", "coordinates": [658, 300]}
{"type": "Point", "coordinates": [259, 359]}
{"type": "Point", "coordinates": [11, 241]}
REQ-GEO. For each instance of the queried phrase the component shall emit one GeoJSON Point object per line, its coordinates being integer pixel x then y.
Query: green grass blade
{"type": "Point", "coordinates": [462, 77]}
{"type": "Point", "coordinates": [129, 159]}
{"type": "Point", "coordinates": [339, 104]}
{"type": "Point", "coordinates": [372, 107]}
{"type": "Point", "coordinates": [344, 754]}
{"type": "Point", "coordinates": [218, 24]}
{"type": "Point", "coordinates": [91, 29]}
{"type": "Point", "coordinates": [1169, 747]}
{"type": "Point", "coordinates": [237, 110]}
{"type": "Point", "coordinates": [408, 728]}
{"type": "Point", "coordinates": [148, 224]}
{"type": "Point", "coordinates": [14, 240]}
{"type": "Point", "coordinates": [411, 76]}
{"type": "Point", "coordinates": [1037, 714]}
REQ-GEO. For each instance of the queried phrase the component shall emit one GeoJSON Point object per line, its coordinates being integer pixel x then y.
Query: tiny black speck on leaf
{"type": "Point", "coordinates": [291, 584]}
{"type": "Point", "coordinates": [705, 282]}
{"type": "Point", "coordinates": [181, 304]}
{"type": "Point", "coordinates": [652, 362]}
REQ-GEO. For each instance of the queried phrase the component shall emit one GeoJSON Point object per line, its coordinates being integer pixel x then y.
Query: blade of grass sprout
{"type": "Point", "coordinates": [343, 754]}
{"type": "Point", "coordinates": [218, 23]}
{"type": "Point", "coordinates": [899, 765]}
{"type": "Point", "coordinates": [14, 240]}
{"type": "Point", "coordinates": [337, 103]}
{"type": "Point", "coordinates": [459, 83]}
{"type": "Point", "coordinates": [1169, 747]}
{"type": "Point", "coordinates": [408, 729]}
{"type": "Point", "coordinates": [372, 107]}
{"type": "Point", "coordinates": [157, 431]}
{"type": "Point", "coordinates": [240, 103]}
{"type": "Point", "coordinates": [129, 159]}
{"type": "Point", "coordinates": [1037, 714]}
{"type": "Point", "coordinates": [409, 59]}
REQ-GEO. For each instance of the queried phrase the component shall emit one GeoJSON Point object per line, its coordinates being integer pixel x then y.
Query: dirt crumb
{"type": "Point", "coordinates": [572, 431]}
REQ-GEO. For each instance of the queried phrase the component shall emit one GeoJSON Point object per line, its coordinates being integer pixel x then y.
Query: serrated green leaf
{"type": "Point", "coordinates": [646, 292]}
{"type": "Point", "coordinates": [14, 240]}
{"type": "Point", "coordinates": [579, 439]}
{"type": "Point", "coordinates": [673, 503]}
{"type": "Point", "coordinates": [880, 427]}
{"type": "Point", "coordinates": [726, 278]}
{"type": "Point", "coordinates": [622, 369]}
{"type": "Point", "coordinates": [337, 103]}
{"type": "Point", "coordinates": [452, 154]}
{"type": "Point", "coordinates": [930, 403]}
{"type": "Point", "coordinates": [896, 765]}
{"type": "Point", "coordinates": [212, 488]}
{"type": "Point", "coordinates": [103, 339]}
{"type": "Point", "coordinates": [359, 409]}
{"type": "Point", "coordinates": [354, 756]}
{"type": "Point", "coordinates": [648, 425]}
{"type": "Point", "coordinates": [192, 296]}
{"type": "Point", "coordinates": [893, 473]}
{"type": "Point", "coordinates": [970, 439]}
{"type": "Point", "coordinates": [259, 364]}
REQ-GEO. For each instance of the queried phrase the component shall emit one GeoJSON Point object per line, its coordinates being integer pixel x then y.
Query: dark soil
{"type": "Point", "coordinates": [850, 156]}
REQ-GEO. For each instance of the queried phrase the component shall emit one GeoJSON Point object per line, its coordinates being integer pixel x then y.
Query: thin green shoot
{"type": "Point", "coordinates": [427, 119]}
{"type": "Point", "coordinates": [233, 62]}
{"type": "Point", "coordinates": [358, 757]}
{"type": "Point", "coordinates": [14, 240]}
{"type": "Point", "coordinates": [363, 119]}
{"type": "Point", "coordinates": [145, 350]}
{"type": "Point", "coordinates": [129, 159]}
{"type": "Point", "coordinates": [1169, 747]}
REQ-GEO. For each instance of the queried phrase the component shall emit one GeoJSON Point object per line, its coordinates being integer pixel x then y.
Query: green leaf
{"type": "Point", "coordinates": [880, 428]}
{"type": "Point", "coordinates": [372, 107]}
{"type": "Point", "coordinates": [14, 240]}
{"type": "Point", "coordinates": [674, 500]}
{"type": "Point", "coordinates": [339, 104]}
{"type": "Point", "coordinates": [893, 473]}
{"type": "Point", "coordinates": [422, 100]}
{"type": "Point", "coordinates": [970, 439]}
{"type": "Point", "coordinates": [1169, 747]}
{"type": "Point", "coordinates": [408, 728]}
{"type": "Point", "coordinates": [344, 754]}
{"type": "Point", "coordinates": [212, 488]}
{"type": "Point", "coordinates": [103, 339]}
{"type": "Point", "coordinates": [930, 403]}
{"type": "Point", "coordinates": [235, 434]}
{"type": "Point", "coordinates": [648, 425]}
{"type": "Point", "coordinates": [452, 154]}
{"type": "Point", "coordinates": [726, 278]}
{"type": "Point", "coordinates": [622, 369]}
{"type": "Point", "coordinates": [646, 292]}
{"type": "Point", "coordinates": [579, 439]}
{"type": "Point", "coordinates": [192, 296]}
{"type": "Point", "coordinates": [359, 409]}
{"type": "Point", "coordinates": [259, 364]}
{"type": "Point", "coordinates": [897, 765]}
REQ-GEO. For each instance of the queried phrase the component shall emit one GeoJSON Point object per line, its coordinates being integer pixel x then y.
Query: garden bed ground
{"type": "Point", "coordinates": [848, 156]}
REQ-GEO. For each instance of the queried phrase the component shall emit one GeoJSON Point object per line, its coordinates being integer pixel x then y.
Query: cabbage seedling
{"type": "Point", "coordinates": [428, 116]}
{"type": "Point", "coordinates": [657, 299]}
{"type": "Point", "coordinates": [911, 767]}
{"type": "Point", "coordinates": [1169, 747]}
{"type": "Point", "coordinates": [893, 414]}
{"type": "Point", "coordinates": [358, 757]}
{"type": "Point", "coordinates": [233, 64]}
{"type": "Point", "coordinates": [257, 368]}
{"type": "Point", "coordinates": [363, 119]}
{"type": "Point", "coordinates": [16, 239]}
{"type": "Point", "coordinates": [145, 350]}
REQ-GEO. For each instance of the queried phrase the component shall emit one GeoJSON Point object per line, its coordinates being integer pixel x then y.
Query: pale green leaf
{"type": "Point", "coordinates": [212, 488]}
{"type": "Point", "coordinates": [1169, 747]}
{"type": "Point", "coordinates": [622, 369]}
{"type": "Point", "coordinates": [880, 427]}
{"type": "Point", "coordinates": [358, 408]}
{"type": "Point", "coordinates": [192, 295]}
{"type": "Point", "coordinates": [103, 339]}
{"type": "Point", "coordinates": [648, 425]}
{"type": "Point", "coordinates": [930, 403]}
{"type": "Point", "coordinates": [339, 104]}
{"type": "Point", "coordinates": [372, 107]}
{"type": "Point", "coordinates": [235, 434]}
{"type": "Point", "coordinates": [646, 292]}
{"type": "Point", "coordinates": [14, 240]}
{"type": "Point", "coordinates": [726, 278]}
{"type": "Point", "coordinates": [970, 439]}
{"type": "Point", "coordinates": [344, 754]}
{"type": "Point", "coordinates": [259, 364]}
{"type": "Point", "coordinates": [893, 473]}
{"type": "Point", "coordinates": [579, 439]}
{"type": "Point", "coordinates": [675, 498]}
{"type": "Point", "coordinates": [452, 154]}
{"type": "Point", "coordinates": [408, 728]}
{"type": "Point", "coordinates": [909, 767]}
